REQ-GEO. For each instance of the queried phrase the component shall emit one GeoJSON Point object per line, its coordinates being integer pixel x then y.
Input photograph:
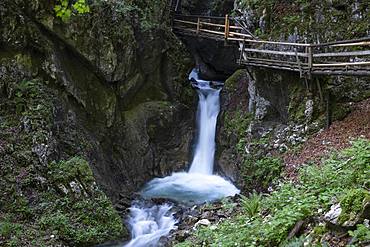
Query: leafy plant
{"type": "Point", "coordinates": [361, 234]}
{"type": "Point", "coordinates": [252, 204]}
{"type": "Point", "coordinates": [65, 8]}
{"type": "Point", "coordinates": [262, 171]}
{"type": "Point", "coordinates": [352, 203]}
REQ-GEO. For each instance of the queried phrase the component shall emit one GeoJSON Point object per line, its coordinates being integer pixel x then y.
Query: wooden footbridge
{"type": "Point", "coordinates": [349, 57]}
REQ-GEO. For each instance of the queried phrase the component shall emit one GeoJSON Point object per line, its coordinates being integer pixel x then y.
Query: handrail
{"type": "Point", "coordinates": [302, 57]}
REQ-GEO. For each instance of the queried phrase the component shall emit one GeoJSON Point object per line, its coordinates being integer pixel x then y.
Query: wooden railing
{"type": "Point", "coordinates": [350, 57]}
{"type": "Point", "coordinates": [214, 27]}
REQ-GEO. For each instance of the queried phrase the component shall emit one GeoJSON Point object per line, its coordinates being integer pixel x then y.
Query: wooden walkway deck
{"type": "Point", "coordinates": [349, 57]}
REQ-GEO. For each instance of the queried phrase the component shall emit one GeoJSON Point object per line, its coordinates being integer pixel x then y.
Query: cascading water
{"type": "Point", "coordinates": [208, 109]}
{"type": "Point", "coordinates": [149, 224]}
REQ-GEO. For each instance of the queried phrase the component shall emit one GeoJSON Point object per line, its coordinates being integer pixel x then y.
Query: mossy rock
{"type": "Point", "coordinates": [352, 203]}
{"type": "Point", "coordinates": [232, 82]}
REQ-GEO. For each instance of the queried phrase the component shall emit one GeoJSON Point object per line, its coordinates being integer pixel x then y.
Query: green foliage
{"type": "Point", "coordinates": [24, 90]}
{"type": "Point", "coordinates": [352, 203]}
{"type": "Point", "coordinates": [65, 8]}
{"type": "Point", "coordinates": [237, 123]}
{"type": "Point", "coordinates": [261, 172]}
{"type": "Point", "coordinates": [252, 204]}
{"type": "Point", "coordinates": [282, 209]}
{"type": "Point", "coordinates": [9, 229]}
{"type": "Point", "coordinates": [84, 222]}
{"type": "Point", "coordinates": [149, 13]}
{"type": "Point", "coordinates": [361, 234]}
{"type": "Point", "coordinates": [65, 172]}
{"type": "Point", "coordinates": [297, 242]}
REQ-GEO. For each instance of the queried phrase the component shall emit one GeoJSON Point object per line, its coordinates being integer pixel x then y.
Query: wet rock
{"type": "Point", "coordinates": [333, 215]}
{"type": "Point", "coordinates": [202, 222]}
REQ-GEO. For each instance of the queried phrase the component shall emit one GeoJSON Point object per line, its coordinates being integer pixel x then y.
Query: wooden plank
{"type": "Point", "coordinates": [284, 53]}
{"type": "Point", "coordinates": [270, 66]}
{"type": "Point", "coordinates": [212, 24]}
{"type": "Point", "coordinates": [340, 64]}
{"type": "Point", "coordinates": [274, 61]}
{"type": "Point", "coordinates": [277, 43]}
{"type": "Point", "coordinates": [241, 57]}
{"type": "Point", "coordinates": [352, 44]}
{"type": "Point", "coordinates": [241, 35]}
{"type": "Point", "coordinates": [343, 54]}
{"type": "Point", "coordinates": [211, 31]}
{"type": "Point", "coordinates": [236, 27]}
{"type": "Point", "coordinates": [299, 64]}
{"type": "Point", "coordinates": [343, 42]}
{"type": "Point", "coordinates": [310, 56]}
{"type": "Point", "coordinates": [342, 72]}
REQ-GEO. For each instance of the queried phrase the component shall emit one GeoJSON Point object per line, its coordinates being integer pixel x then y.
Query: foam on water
{"type": "Point", "coordinates": [149, 224]}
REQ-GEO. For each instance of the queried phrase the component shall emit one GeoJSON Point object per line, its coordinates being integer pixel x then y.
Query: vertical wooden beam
{"type": "Point", "coordinates": [227, 26]}
{"type": "Point", "coordinates": [298, 63]}
{"type": "Point", "coordinates": [310, 57]}
{"type": "Point", "coordinates": [198, 26]}
{"type": "Point", "coordinates": [242, 53]}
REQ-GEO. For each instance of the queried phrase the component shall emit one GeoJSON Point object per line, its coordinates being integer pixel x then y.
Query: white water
{"type": "Point", "coordinates": [149, 224]}
{"type": "Point", "coordinates": [208, 110]}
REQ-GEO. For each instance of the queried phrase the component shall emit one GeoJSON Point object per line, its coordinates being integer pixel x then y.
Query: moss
{"type": "Point", "coordinates": [232, 82]}
{"type": "Point", "coordinates": [340, 111]}
{"type": "Point", "coordinates": [352, 203]}
{"type": "Point", "coordinates": [60, 198]}
{"type": "Point", "coordinates": [297, 103]}
{"type": "Point", "coordinates": [319, 230]}
{"type": "Point", "coordinates": [260, 174]}
{"type": "Point", "coordinates": [237, 122]}
{"type": "Point", "coordinates": [66, 171]}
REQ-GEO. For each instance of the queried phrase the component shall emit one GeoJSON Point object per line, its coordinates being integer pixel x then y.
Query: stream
{"type": "Point", "coordinates": [149, 223]}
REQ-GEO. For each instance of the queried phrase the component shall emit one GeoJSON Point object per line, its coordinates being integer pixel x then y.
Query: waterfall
{"type": "Point", "coordinates": [149, 223]}
{"type": "Point", "coordinates": [208, 109]}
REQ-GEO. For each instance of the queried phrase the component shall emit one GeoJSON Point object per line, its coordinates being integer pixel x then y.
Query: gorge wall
{"type": "Point", "coordinates": [105, 90]}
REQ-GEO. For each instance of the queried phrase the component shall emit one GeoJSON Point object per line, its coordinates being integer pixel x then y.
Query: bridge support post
{"type": "Point", "coordinates": [227, 27]}
{"type": "Point", "coordinates": [241, 57]}
{"type": "Point", "coordinates": [309, 60]}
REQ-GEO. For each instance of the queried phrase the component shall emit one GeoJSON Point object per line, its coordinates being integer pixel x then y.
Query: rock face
{"type": "Point", "coordinates": [121, 87]}
{"type": "Point", "coordinates": [114, 84]}
{"type": "Point", "coordinates": [264, 113]}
